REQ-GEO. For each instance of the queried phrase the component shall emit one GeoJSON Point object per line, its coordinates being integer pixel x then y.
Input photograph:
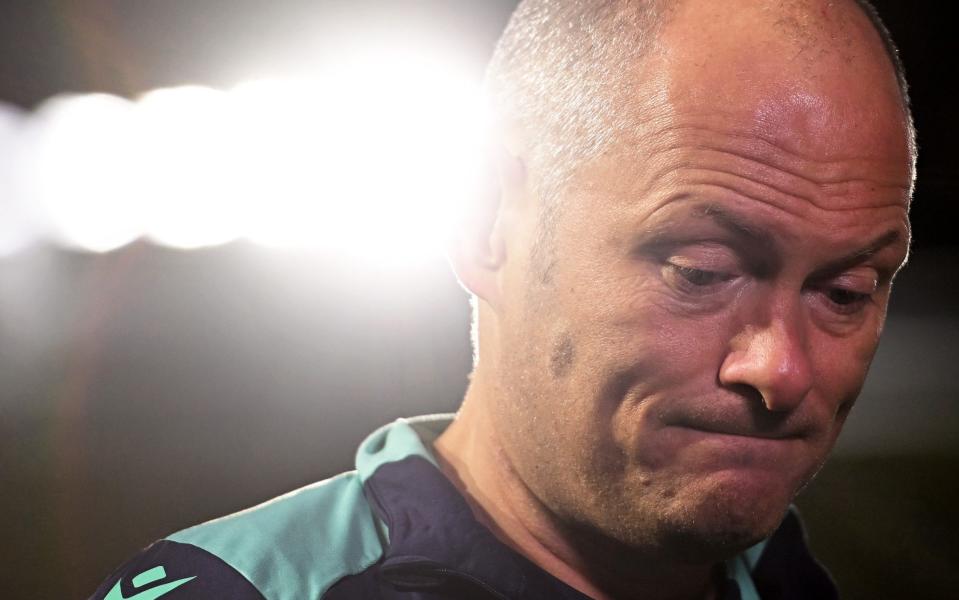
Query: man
{"type": "Point", "coordinates": [679, 286]}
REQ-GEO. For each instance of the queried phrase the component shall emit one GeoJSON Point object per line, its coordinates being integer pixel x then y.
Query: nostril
{"type": "Point", "coordinates": [754, 396]}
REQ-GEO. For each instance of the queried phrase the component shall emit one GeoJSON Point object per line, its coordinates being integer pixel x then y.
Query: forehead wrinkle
{"type": "Point", "coordinates": [803, 213]}
{"type": "Point", "coordinates": [838, 189]}
{"type": "Point", "coordinates": [757, 183]}
{"type": "Point", "coordinates": [760, 198]}
{"type": "Point", "coordinates": [753, 145]}
{"type": "Point", "coordinates": [754, 175]}
{"type": "Point", "coordinates": [761, 176]}
{"type": "Point", "coordinates": [730, 126]}
{"type": "Point", "coordinates": [691, 176]}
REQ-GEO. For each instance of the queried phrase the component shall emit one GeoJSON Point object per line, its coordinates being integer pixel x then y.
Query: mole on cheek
{"type": "Point", "coordinates": [562, 355]}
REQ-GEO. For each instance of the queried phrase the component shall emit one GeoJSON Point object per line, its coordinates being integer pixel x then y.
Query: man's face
{"type": "Point", "coordinates": [679, 361]}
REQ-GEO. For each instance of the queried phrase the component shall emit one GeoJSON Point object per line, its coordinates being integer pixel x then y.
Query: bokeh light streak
{"type": "Point", "coordinates": [78, 155]}
{"type": "Point", "coordinates": [18, 221]}
{"type": "Point", "coordinates": [369, 155]}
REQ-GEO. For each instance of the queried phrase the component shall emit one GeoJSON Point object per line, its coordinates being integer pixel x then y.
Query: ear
{"type": "Point", "coordinates": [477, 249]}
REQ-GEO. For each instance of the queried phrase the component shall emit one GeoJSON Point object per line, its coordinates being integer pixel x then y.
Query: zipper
{"type": "Point", "coordinates": [429, 569]}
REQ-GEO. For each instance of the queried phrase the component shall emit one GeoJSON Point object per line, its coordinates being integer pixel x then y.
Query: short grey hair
{"type": "Point", "coordinates": [555, 74]}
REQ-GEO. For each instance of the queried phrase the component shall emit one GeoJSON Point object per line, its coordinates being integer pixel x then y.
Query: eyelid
{"type": "Point", "coordinates": [704, 256]}
{"type": "Point", "coordinates": [693, 265]}
{"type": "Point", "coordinates": [859, 278]}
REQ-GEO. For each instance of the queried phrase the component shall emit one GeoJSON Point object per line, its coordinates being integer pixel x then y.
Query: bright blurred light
{"type": "Point", "coordinates": [187, 172]}
{"type": "Point", "coordinates": [381, 148]}
{"type": "Point", "coordinates": [80, 171]}
{"type": "Point", "coordinates": [18, 223]}
{"type": "Point", "coordinates": [285, 140]}
{"type": "Point", "coordinates": [370, 155]}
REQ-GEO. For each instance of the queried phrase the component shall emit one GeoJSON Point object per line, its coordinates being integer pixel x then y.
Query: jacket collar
{"type": "Point", "coordinates": [435, 541]}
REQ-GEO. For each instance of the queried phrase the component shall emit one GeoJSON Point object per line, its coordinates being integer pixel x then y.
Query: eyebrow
{"type": "Point", "coordinates": [862, 255]}
{"type": "Point", "coordinates": [763, 239]}
{"type": "Point", "coordinates": [752, 234]}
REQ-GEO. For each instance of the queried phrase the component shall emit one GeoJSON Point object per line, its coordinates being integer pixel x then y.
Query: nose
{"type": "Point", "coordinates": [773, 360]}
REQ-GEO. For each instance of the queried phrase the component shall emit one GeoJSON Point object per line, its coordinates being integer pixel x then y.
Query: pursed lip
{"type": "Point", "coordinates": [734, 417]}
{"type": "Point", "coordinates": [746, 432]}
{"type": "Point", "coordinates": [766, 427]}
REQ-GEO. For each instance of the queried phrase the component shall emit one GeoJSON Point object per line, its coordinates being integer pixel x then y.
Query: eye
{"type": "Point", "coordinates": [845, 301]}
{"type": "Point", "coordinates": [693, 280]}
{"type": "Point", "coordinates": [848, 294]}
{"type": "Point", "coordinates": [698, 270]}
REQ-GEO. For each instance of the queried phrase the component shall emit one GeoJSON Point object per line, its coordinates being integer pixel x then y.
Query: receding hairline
{"type": "Point", "coordinates": [544, 81]}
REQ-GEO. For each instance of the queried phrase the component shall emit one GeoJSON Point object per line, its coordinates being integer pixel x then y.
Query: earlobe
{"type": "Point", "coordinates": [477, 250]}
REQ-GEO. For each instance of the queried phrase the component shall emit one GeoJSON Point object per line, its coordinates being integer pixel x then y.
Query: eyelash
{"type": "Point", "coordinates": [696, 278]}
{"type": "Point", "coordinates": [850, 302]}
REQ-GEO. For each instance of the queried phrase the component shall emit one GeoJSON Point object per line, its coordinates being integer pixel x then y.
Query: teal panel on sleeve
{"type": "Point", "coordinates": [298, 545]}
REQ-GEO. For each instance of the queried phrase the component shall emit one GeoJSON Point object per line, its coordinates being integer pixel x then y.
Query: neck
{"type": "Point", "coordinates": [472, 457]}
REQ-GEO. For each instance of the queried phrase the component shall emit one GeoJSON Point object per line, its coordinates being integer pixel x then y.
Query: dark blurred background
{"type": "Point", "coordinates": [147, 388]}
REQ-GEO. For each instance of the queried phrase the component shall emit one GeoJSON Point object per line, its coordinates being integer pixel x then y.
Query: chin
{"type": "Point", "coordinates": [702, 522]}
{"type": "Point", "coordinates": [722, 522]}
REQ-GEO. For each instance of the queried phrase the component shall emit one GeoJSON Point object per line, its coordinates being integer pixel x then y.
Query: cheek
{"type": "Point", "coordinates": [649, 355]}
{"type": "Point", "coordinates": [840, 366]}
{"type": "Point", "coordinates": [672, 344]}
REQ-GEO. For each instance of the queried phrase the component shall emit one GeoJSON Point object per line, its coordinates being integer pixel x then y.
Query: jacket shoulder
{"type": "Point", "coordinates": [175, 572]}
{"type": "Point", "coordinates": [294, 546]}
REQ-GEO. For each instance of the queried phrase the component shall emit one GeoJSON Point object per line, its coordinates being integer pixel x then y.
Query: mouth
{"type": "Point", "coordinates": [723, 447]}
{"type": "Point", "coordinates": [743, 431]}
{"type": "Point", "coordinates": [730, 441]}
{"type": "Point", "coordinates": [743, 424]}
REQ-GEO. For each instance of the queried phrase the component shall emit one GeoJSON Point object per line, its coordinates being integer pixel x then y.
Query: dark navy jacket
{"type": "Point", "coordinates": [397, 529]}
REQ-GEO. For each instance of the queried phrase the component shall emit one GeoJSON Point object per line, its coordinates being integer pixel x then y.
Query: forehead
{"type": "Point", "coordinates": [732, 109]}
{"type": "Point", "coordinates": [812, 127]}
{"type": "Point", "coordinates": [811, 78]}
